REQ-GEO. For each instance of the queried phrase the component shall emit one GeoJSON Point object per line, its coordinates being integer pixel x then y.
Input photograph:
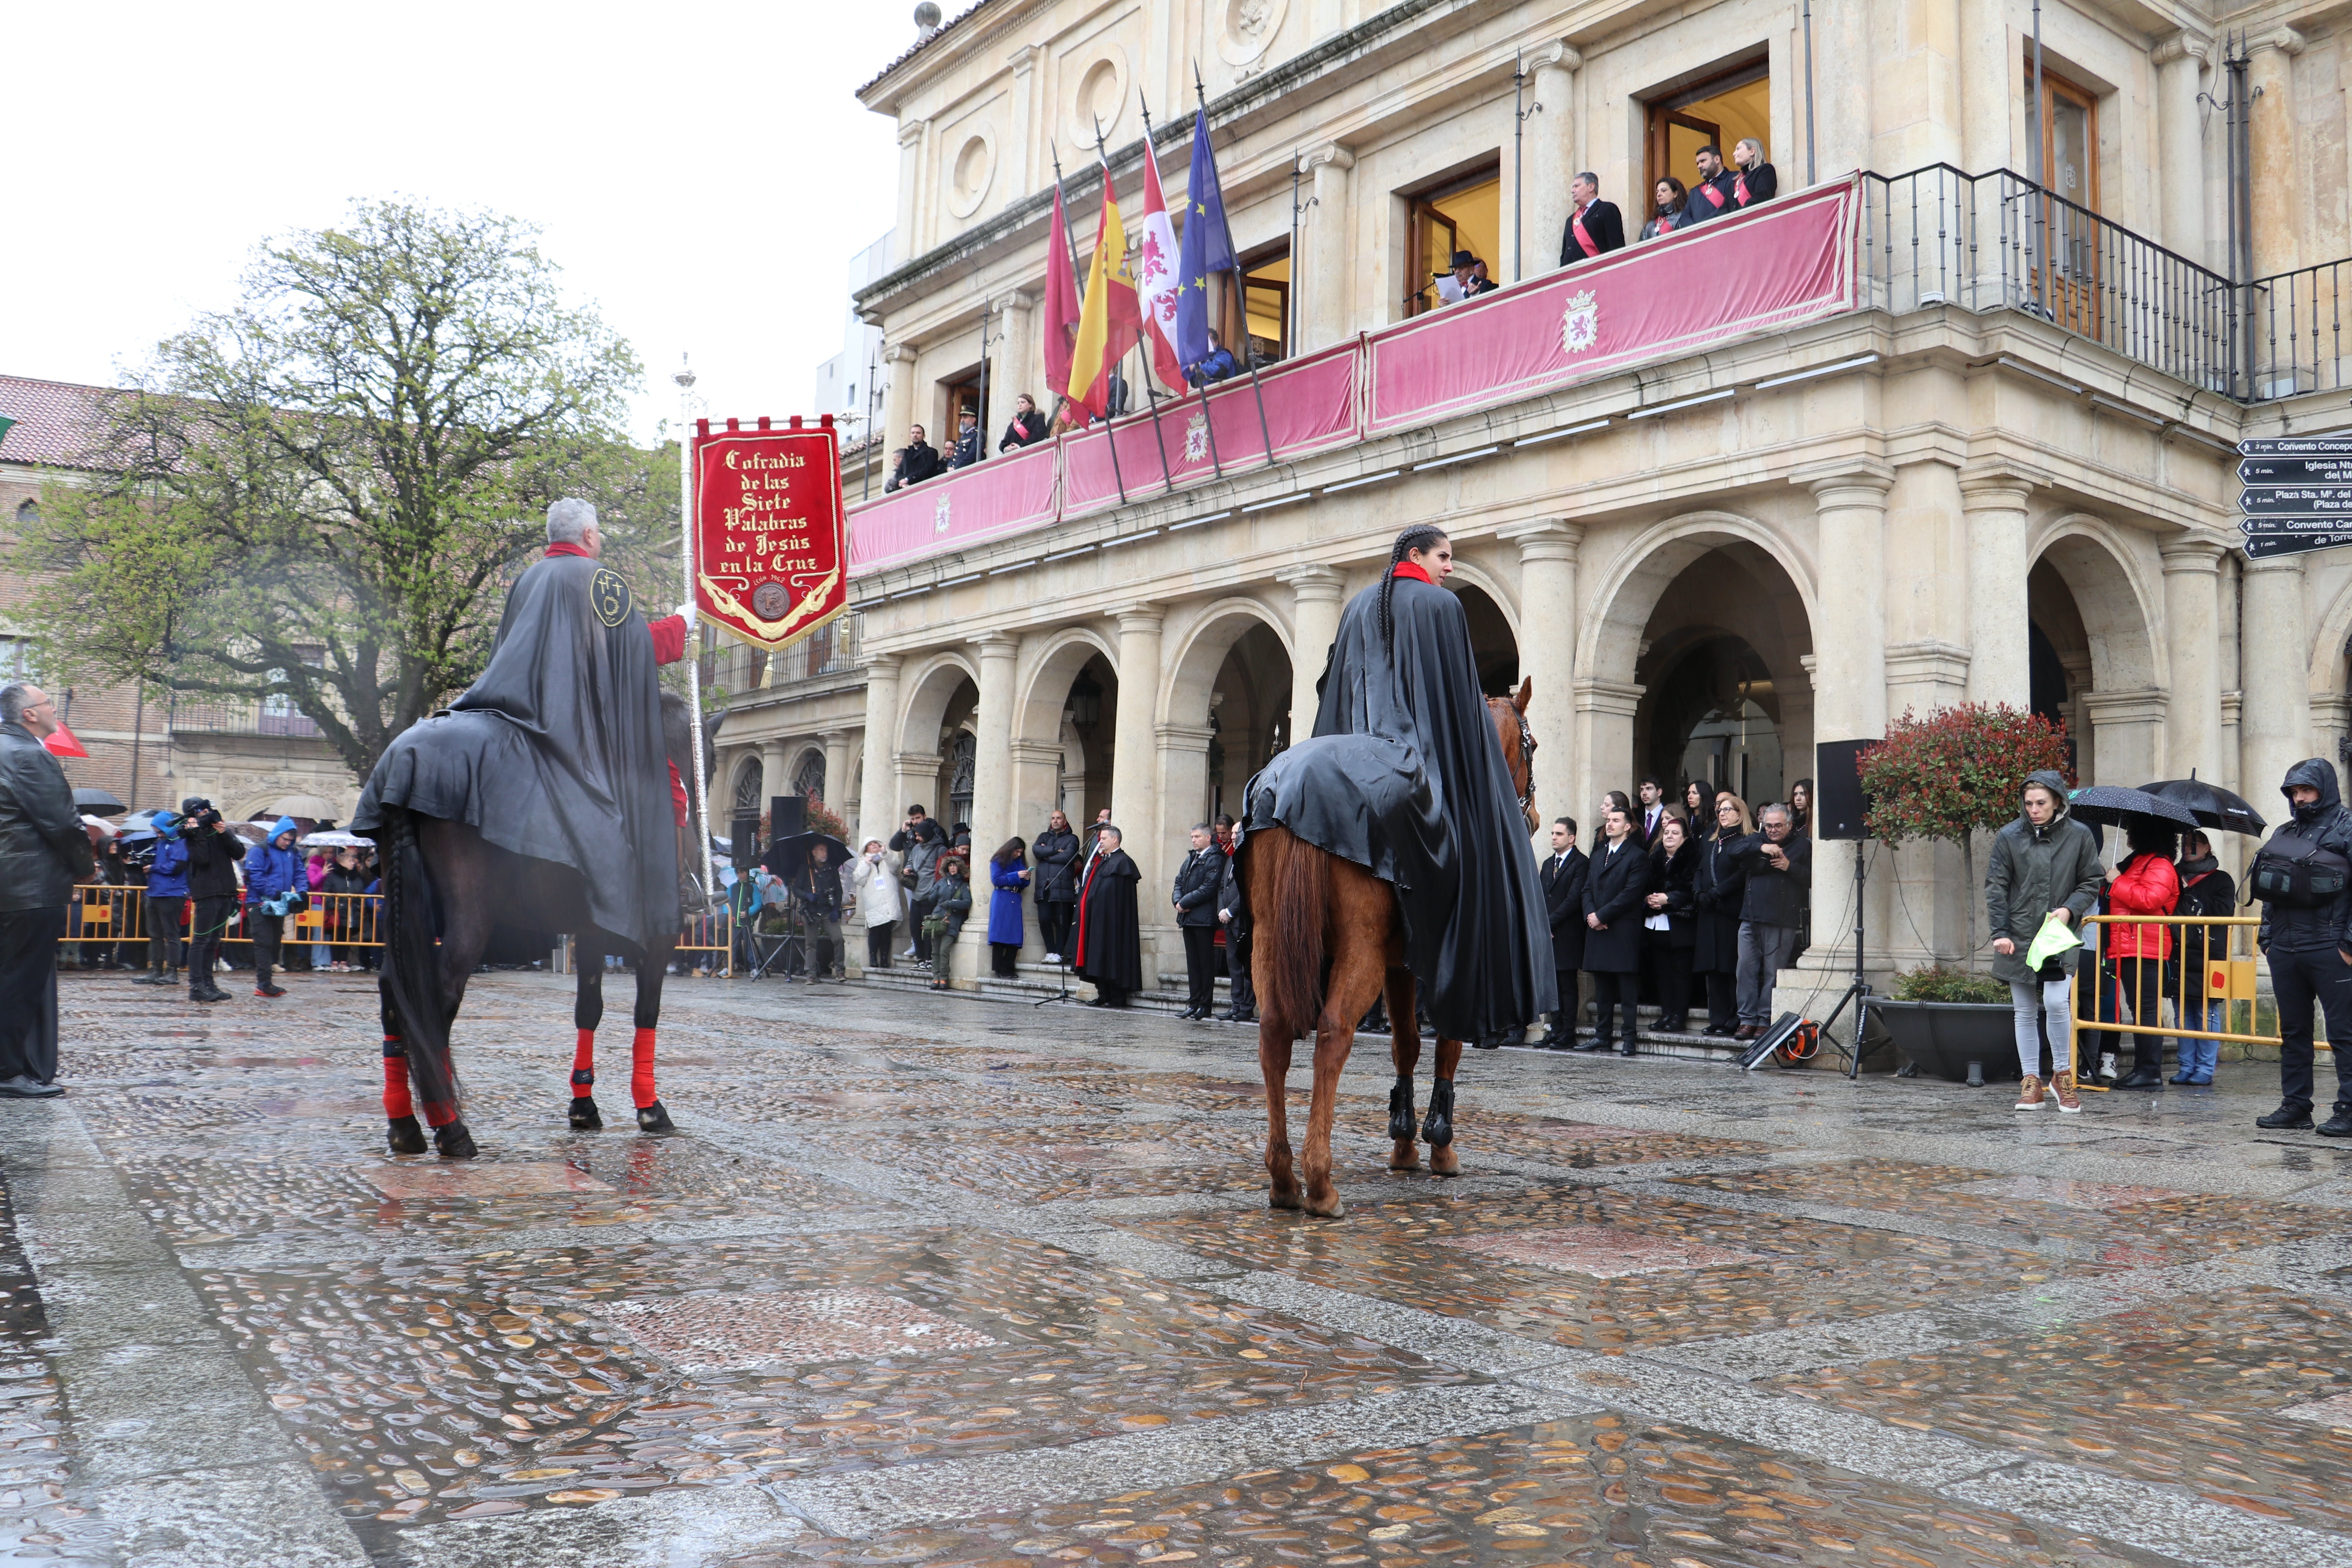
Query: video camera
{"type": "Point", "coordinates": [197, 814]}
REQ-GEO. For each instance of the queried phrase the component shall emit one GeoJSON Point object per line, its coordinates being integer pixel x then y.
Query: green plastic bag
{"type": "Point", "coordinates": [2056, 936]}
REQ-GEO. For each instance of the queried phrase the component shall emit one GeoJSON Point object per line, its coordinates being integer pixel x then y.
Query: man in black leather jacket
{"type": "Point", "coordinates": [2310, 953]}
{"type": "Point", "coordinates": [215, 852]}
{"type": "Point", "coordinates": [44, 851]}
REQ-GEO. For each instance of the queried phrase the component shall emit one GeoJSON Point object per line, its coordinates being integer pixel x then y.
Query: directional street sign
{"type": "Point", "coordinates": [2297, 495]}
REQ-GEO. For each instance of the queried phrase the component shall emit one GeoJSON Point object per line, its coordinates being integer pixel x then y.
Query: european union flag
{"type": "Point", "coordinates": [1203, 247]}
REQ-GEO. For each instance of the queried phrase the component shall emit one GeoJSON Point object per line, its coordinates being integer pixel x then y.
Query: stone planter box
{"type": "Point", "coordinates": [1941, 1038]}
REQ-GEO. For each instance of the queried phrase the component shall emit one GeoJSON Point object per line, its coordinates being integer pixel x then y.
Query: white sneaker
{"type": "Point", "coordinates": [1052, 958]}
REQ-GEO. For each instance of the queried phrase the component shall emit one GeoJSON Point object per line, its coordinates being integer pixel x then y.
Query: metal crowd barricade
{"type": "Point", "coordinates": [103, 912]}
{"type": "Point", "coordinates": [2227, 976]}
{"type": "Point", "coordinates": [711, 934]}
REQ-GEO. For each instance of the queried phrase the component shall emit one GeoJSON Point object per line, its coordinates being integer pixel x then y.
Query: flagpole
{"type": "Point", "coordinates": [1077, 279]}
{"type": "Point", "coordinates": [1200, 92]}
{"type": "Point", "coordinates": [1150, 397]}
{"type": "Point", "coordinates": [1208, 420]}
{"type": "Point", "coordinates": [685, 379]}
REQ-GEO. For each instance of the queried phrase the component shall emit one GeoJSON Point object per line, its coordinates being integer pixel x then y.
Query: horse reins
{"type": "Point", "coordinates": [1526, 752]}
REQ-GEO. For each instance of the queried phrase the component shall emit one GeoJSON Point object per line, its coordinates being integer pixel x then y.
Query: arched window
{"type": "Point", "coordinates": [961, 761]}
{"type": "Point", "coordinates": [747, 790]}
{"type": "Point", "coordinates": [28, 514]}
{"type": "Point", "coordinates": [810, 778]}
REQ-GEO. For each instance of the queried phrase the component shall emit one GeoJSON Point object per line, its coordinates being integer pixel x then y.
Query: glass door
{"type": "Point", "coordinates": [2067, 266]}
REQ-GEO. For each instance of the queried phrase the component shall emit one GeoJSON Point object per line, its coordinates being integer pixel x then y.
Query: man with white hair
{"type": "Point", "coordinates": [43, 851]}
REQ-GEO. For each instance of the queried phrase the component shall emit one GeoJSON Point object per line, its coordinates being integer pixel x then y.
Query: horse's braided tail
{"type": "Point", "coordinates": [1288, 899]}
{"type": "Point", "coordinates": [412, 969]}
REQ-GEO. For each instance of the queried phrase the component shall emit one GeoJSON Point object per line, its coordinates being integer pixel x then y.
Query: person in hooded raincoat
{"type": "Point", "coordinates": [2308, 940]}
{"type": "Point", "coordinates": [273, 875]}
{"type": "Point", "coordinates": [2044, 863]}
{"type": "Point", "coordinates": [1404, 777]}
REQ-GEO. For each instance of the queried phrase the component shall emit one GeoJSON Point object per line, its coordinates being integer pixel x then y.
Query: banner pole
{"type": "Point", "coordinates": [699, 813]}
{"type": "Point", "coordinates": [1151, 150]}
{"type": "Point", "coordinates": [1201, 93]}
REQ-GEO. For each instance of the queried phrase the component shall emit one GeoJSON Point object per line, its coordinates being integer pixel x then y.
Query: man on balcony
{"type": "Point", "coordinates": [918, 460]}
{"type": "Point", "coordinates": [967, 445]}
{"type": "Point", "coordinates": [1595, 228]}
{"type": "Point", "coordinates": [1215, 365]}
{"type": "Point", "coordinates": [1716, 194]}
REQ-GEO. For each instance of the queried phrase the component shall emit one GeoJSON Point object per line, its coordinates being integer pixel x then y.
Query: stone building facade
{"type": "Point", "coordinates": [2005, 473]}
{"type": "Point", "coordinates": [145, 747]}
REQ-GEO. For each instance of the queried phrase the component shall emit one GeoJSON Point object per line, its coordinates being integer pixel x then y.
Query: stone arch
{"type": "Point", "coordinates": [1626, 593]}
{"type": "Point", "coordinates": [926, 693]}
{"type": "Point", "coordinates": [1037, 711]}
{"type": "Point", "coordinates": [2329, 641]}
{"type": "Point", "coordinates": [2093, 558]}
{"type": "Point", "coordinates": [1224, 708]}
{"type": "Point", "coordinates": [1193, 664]}
{"type": "Point", "coordinates": [750, 771]}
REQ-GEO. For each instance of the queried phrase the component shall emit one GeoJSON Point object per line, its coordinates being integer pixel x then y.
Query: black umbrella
{"type": "Point", "coordinates": [2105, 805]}
{"type": "Point", "coordinates": [97, 803]}
{"type": "Point", "coordinates": [788, 854]}
{"type": "Point", "coordinates": [2212, 805]}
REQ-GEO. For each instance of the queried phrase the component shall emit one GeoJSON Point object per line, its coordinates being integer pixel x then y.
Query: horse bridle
{"type": "Point", "coordinates": [1526, 752]}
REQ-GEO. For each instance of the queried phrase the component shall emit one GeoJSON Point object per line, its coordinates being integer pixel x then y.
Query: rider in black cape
{"type": "Point", "coordinates": [1404, 777]}
{"type": "Point", "coordinates": [556, 752]}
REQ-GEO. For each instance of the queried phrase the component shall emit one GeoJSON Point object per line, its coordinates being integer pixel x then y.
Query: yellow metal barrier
{"type": "Point", "coordinates": [99, 912]}
{"type": "Point", "coordinates": [2227, 975]}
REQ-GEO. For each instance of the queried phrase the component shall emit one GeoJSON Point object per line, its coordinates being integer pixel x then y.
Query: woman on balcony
{"type": "Point", "coordinates": [1028, 426]}
{"type": "Point", "coordinates": [1667, 211]}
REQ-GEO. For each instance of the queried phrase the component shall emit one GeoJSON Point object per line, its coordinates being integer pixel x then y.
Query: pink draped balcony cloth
{"type": "Point", "coordinates": [1007, 494]}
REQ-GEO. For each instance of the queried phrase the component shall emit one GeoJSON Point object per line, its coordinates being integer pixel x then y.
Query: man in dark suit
{"type": "Point", "coordinates": [918, 460]}
{"type": "Point", "coordinates": [1653, 812]}
{"type": "Point", "coordinates": [1197, 882]}
{"type": "Point", "coordinates": [1595, 228]}
{"type": "Point", "coordinates": [1562, 877]}
{"type": "Point", "coordinates": [1716, 192]}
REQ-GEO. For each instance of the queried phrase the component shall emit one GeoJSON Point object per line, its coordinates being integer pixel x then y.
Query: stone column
{"type": "Point", "coordinates": [993, 809]}
{"type": "Point", "coordinates": [898, 410]}
{"type": "Point", "coordinates": [2180, 141]}
{"type": "Point", "coordinates": [2275, 714]}
{"type": "Point", "coordinates": [1993, 498]}
{"type": "Point", "coordinates": [1183, 757]}
{"type": "Point", "coordinates": [1135, 763]}
{"type": "Point", "coordinates": [837, 771]}
{"type": "Point", "coordinates": [1036, 767]}
{"type": "Point", "coordinates": [879, 782]}
{"type": "Point", "coordinates": [1326, 276]}
{"type": "Point", "coordinates": [1849, 664]}
{"type": "Point", "coordinates": [1017, 150]}
{"type": "Point", "coordinates": [773, 762]}
{"type": "Point", "coordinates": [1602, 748]}
{"type": "Point", "coordinates": [1551, 154]}
{"type": "Point", "coordinates": [2192, 606]}
{"type": "Point", "coordinates": [2281, 200]}
{"type": "Point", "coordinates": [1314, 623]}
{"type": "Point", "coordinates": [1548, 547]}
{"type": "Point", "coordinates": [905, 242]}
{"type": "Point", "coordinates": [1014, 372]}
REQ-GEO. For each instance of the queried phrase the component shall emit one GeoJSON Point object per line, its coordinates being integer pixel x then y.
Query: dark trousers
{"type": "Point", "coordinates": [1564, 981]}
{"type": "Point", "coordinates": [1004, 959]}
{"type": "Point", "coordinates": [1722, 1002]}
{"type": "Point", "coordinates": [268, 933]}
{"type": "Point", "coordinates": [1199, 966]}
{"type": "Point", "coordinates": [919, 910]}
{"type": "Point", "coordinates": [1612, 991]}
{"type": "Point", "coordinates": [2300, 979]}
{"type": "Point", "coordinates": [164, 949]}
{"type": "Point", "coordinates": [877, 944]}
{"type": "Point", "coordinates": [1237, 971]}
{"type": "Point", "coordinates": [204, 929]}
{"type": "Point", "coordinates": [1669, 969]}
{"type": "Point", "coordinates": [2142, 983]}
{"type": "Point", "coordinates": [1053, 923]}
{"type": "Point", "coordinates": [28, 991]}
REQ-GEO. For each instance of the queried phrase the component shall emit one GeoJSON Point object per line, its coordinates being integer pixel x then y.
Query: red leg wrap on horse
{"type": "Point", "coordinates": [396, 1103]}
{"type": "Point", "coordinates": [584, 1065]}
{"type": "Point", "coordinates": [440, 1115]}
{"type": "Point", "coordinates": [640, 1068]}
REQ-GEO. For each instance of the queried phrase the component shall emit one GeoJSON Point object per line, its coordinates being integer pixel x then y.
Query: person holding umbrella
{"type": "Point", "coordinates": [2205, 889]}
{"type": "Point", "coordinates": [2303, 874]}
{"type": "Point", "coordinates": [2144, 883]}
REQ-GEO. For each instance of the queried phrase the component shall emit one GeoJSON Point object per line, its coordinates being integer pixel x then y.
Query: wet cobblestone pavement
{"type": "Point", "coordinates": [941, 1281]}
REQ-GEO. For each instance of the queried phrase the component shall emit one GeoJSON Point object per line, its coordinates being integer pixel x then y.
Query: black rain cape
{"type": "Point", "coordinates": [1403, 778]}
{"type": "Point", "coordinates": [556, 752]}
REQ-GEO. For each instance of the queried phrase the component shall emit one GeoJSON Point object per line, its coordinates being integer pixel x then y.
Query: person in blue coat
{"type": "Point", "coordinates": [275, 885]}
{"type": "Point", "coordinates": [1008, 872]}
{"type": "Point", "coordinates": [166, 896]}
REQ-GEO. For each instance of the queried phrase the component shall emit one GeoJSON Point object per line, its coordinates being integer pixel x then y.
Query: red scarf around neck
{"type": "Point", "coordinates": [1412, 569]}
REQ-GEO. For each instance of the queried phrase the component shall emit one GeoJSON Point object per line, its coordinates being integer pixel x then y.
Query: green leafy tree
{"type": "Point", "coordinates": [323, 492]}
{"type": "Point", "coordinates": [1955, 773]}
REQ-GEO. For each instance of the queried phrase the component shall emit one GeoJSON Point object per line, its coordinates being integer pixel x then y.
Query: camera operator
{"type": "Point", "coordinates": [1780, 867]}
{"type": "Point", "coordinates": [214, 851]}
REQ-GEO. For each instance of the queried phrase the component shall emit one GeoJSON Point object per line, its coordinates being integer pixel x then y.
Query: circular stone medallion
{"type": "Point", "coordinates": [771, 600]}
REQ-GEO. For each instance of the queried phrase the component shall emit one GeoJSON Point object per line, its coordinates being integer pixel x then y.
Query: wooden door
{"type": "Point", "coordinates": [2068, 262]}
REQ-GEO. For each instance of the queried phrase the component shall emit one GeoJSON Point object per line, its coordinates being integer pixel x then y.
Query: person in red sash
{"type": "Point", "coordinates": [1670, 210]}
{"type": "Point", "coordinates": [1755, 180]}
{"type": "Point", "coordinates": [1110, 948]}
{"type": "Point", "coordinates": [1712, 196]}
{"type": "Point", "coordinates": [1595, 228]}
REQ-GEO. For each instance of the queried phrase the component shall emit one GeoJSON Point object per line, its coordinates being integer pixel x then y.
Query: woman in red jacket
{"type": "Point", "coordinates": [2144, 883]}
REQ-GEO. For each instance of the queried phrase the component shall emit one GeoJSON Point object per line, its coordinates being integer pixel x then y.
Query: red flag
{"type": "Point", "coordinates": [1156, 276]}
{"type": "Point", "coordinates": [1061, 303]}
{"type": "Point", "coordinates": [61, 743]}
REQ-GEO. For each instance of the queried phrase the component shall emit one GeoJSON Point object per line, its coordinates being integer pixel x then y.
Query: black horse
{"type": "Point", "coordinates": [448, 891]}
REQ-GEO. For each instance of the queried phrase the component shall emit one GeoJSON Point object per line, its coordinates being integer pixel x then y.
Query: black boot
{"type": "Point", "coordinates": [1628, 1048]}
{"type": "Point", "coordinates": [2142, 1076]}
{"type": "Point", "coordinates": [2289, 1117]}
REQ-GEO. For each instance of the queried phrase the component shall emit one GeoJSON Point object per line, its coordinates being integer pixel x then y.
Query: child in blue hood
{"type": "Point", "coordinates": [274, 880]}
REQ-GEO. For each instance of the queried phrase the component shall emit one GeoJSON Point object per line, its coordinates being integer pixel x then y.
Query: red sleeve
{"type": "Point", "coordinates": [669, 639]}
{"type": "Point", "coordinates": [677, 803]}
{"type": "Point", "coordinates": [2150, 888]}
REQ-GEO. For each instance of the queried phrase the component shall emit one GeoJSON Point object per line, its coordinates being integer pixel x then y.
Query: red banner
{"type": "Point", "coordinates": [987, 501]}
{"type": "Point", "coordinates": [770, 555]}
{"type": "Point", "coordinates": [1764, 270]}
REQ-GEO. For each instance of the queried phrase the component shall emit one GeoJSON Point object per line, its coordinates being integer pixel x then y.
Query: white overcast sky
{"type": "Point", "coordinates": [702, 173]}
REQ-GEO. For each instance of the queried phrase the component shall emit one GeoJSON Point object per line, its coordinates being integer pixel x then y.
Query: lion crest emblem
{"type": "Point", "coordinates": [939, 516]}
{"type": "Point", "coordinates": [1196, 437]}
{"type": "Point", "coordinates": [1579, 327]}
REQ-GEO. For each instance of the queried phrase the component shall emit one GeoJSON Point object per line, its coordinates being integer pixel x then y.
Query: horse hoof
{"type": "Point", "coordinates": [654, 1119]}
{"type": "Point", "coordinates": [1404, 1156]}
{"type": "Point", "coordinates": [1279, 1199]}
{"type": "Point", "coordinates": [1444, 1162]}
{"type": "Point", "coordinates": [1328, 1208]}
{"type": "Point", "coordinates": [406, 1137]}
{"type": "Point", "coordinates": [585, 1117]}
{"type": "Point", "coordinates": [454, 1141]}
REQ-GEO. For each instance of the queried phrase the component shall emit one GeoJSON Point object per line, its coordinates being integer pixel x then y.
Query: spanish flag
{"type": "Point", "coordinates": [1112, 317]}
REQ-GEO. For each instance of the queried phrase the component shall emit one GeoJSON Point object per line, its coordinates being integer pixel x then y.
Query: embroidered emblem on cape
{"type": "Point", "coordinates": [609, 596]}
{"type": "Point", "coordinates": [1196, 437]}
{"type": "Point", "coordinates": [771, 600]}
{"type": "Point", "coordinates": [939, 516]}
{"type": "Point", "coordinates": [1579, 327]}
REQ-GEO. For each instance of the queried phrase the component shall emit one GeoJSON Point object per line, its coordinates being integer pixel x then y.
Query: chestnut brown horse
{"type": "Point", "coordinates": [446, 891]}
{"type": "Point", "coordinates": [1311, 909]}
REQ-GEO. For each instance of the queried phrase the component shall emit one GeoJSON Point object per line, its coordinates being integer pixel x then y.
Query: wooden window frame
{"type": "Point", "coordinates": [1418, 262]}
{"type": "Point", "coordinates": [1663, 110]}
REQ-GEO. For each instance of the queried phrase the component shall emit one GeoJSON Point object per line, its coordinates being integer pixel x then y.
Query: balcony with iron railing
{"type": "Point", "coordinates": [269, 716]}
